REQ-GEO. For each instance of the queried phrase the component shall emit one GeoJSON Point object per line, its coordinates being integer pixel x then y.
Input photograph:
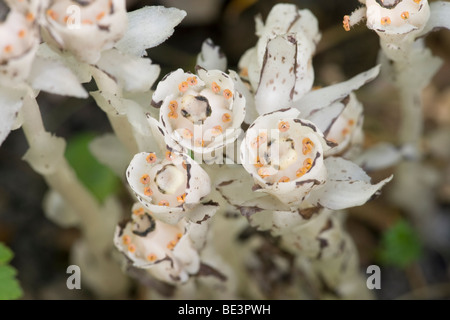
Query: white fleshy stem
{"type": "Point", "coordinates": [411, 124]}
{"type": "Point", "coordinates": [56, 171]}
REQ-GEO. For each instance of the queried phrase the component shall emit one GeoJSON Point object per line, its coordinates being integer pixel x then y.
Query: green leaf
{"type": "Point", "coordinates": [400, 245]}
{"type": "Point", "coordinates": [6, 254]}
{"type": "Point", "coordinates": [9, 286]}
{"type": "Point", "coordinates": [100, 180]}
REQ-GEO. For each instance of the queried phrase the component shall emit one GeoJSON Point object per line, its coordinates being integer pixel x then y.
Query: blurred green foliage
{"type": "Point", "coordinates": [100, 180]}
{"type": "Point", "coordinates": [9, 286]}
{"type": "Point", "coordinates": [400, 245]}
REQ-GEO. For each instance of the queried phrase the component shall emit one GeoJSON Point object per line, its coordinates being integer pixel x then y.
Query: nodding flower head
{"type": "Point", "coordinates": [19, 40]}
{"type": "Point", "coordinates": [85, 28]}
{"type": "Point", "coordinates": [169, 187]}
{"type": "Point", "coordinates": [397, 16]}
{"type": "Point", "coordinates": [165, 250]}
{"type": "Point", "coordinates": [202, 112]}
{"type": "Point", "coordinates": [284, 154]}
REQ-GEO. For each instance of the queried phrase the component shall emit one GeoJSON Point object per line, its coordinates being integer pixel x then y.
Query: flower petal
{"type": "Point", "coordinates": [52, 76]}
{"type": "Point", "coordinates": [278, 75]}
{"type": "Point", "coordinates": [347, 185]}
{"type": "Point", "coordinates": [149, 27]}
{"type": "Point", "coordinates": [320, 98]}
{"type": "Point", "coordinates": [131, 73]}
{"type": "Point", "coordinates": [211, 57]}
{"type": "Point", "coordinates": [439, 13]}
{"type": "Point", "coordinates": [11, 100]}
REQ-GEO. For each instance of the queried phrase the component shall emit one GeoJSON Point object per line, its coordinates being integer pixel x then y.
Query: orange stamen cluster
{"type": "Point", "coordinates": [226, 117]}
{"type": "Point", "coordinates": [308, 146]}
{"type": "Point", "coordinates": [258, 163]}
{"type": "Point", "coordinates": [139, 212]}
{"type": "Point", "coordinates": [192, 81]}
{"type": "Point", "coordinates": [307, 165]}
{"type": "Point", "coordinates": [227, 94]}
{"type": "Point", "coordinates": [346, 23]}
{"type": "Point", "coordinates": [385, 21]}
{"type": "Point", "coordinates": [283, 126]}
{"type": "Point", "coordinates": [171, 245]}
{"type": "Point", "coordinates": [145, 179]}
{"type": "Point", "coordinates": [148, 191]}
{"type": "Point", "coordinates": [405, 15]}
{"type": "Point", "coordinates": [183, 86]}
{"type": "Point", "coordinates": [284, 179]}
{"type": "Point", "coordinates": [173, 105]}
{"type": "Point", "coordinates": [217, 130]}
{"type": "Point", "coordinates": [215, 87]}
{"type": "Point", "coordinates": [163, 203]}
{"type": "Point", "coordinates": [152, 257]}
{"type": "Point", "coordinates": [169, 155]}
{"type": "Point", "coordinates": [151, 158]}
{"type": "Point", "coordinates": [182, 198]}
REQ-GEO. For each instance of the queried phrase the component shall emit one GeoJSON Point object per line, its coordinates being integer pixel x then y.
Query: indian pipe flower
{"type": "Point", "coordinates": [202, 112]}
{"type": "Point", "coordinates": [285, 156]}
{"type": "Point", "coordinates": [165, 250]}
{"type": "Point", "coordinates": [171, 188]}
{"type": "Point", "coordinates": [397, 22]}
{"type": "Point", "coordinates": [85, 28]}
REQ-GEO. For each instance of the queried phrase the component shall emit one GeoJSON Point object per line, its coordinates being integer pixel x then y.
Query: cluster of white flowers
{"type": "Point", "coordinates": [289, 159]}
{"type": "Point", "coordinates": [289, 146]}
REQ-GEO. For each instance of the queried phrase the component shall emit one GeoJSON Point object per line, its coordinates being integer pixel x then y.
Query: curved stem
{"type": "Point", "coordinates": [61, 177]}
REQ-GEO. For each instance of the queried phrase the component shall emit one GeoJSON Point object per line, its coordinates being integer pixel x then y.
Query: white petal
{"type": "Point", "coordinates": [347, 185]}
{"type": "Point", "coordinates": [320, 98]}
{"type": "Point", "coordinates": [439, 13]}
{"type": "Point", "coordinates": [149, 27]}
{"type": "Point", "coordinates": [250, 109]}
{"type": "Point", "coordinates": [109, 102]}
{"type": "Point", "coordinates": [278, 77]}
{"type": "Point", "coordinates": [52, 76]}
{"type": "Point", "coordinates": [148, 133]}
{"type": "Point", "coordinates": [131, 73]}
{"type": "Point", "coordinates": [325, 117]}
{"type": "Point", "coordinates": [11, 100]}
{"type": "Point", "coordinates": [211, 57]}
{"type": "Point", "coordinates": [80, 69]}
{"type": "Point", "coordinates": [378, 157]}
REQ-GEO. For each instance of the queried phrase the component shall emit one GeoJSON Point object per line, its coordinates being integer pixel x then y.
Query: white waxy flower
{"type": "Point", "coordinates": [171, 187]}
{"type": "Point", "coordinates": [202, 112]}
{"type": "Point", "coordinates": [282, 58]}
{"type": "Point", "coordinates": [397, 22]}
{"type": "Point", "coordinates": [285, 157]}
{"type": "Point", "coordinates": [19, 41]}
{"type": "Point", "coordinates": [165, 250]}
{"type": "Point", "coordinates": [85, 28]}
